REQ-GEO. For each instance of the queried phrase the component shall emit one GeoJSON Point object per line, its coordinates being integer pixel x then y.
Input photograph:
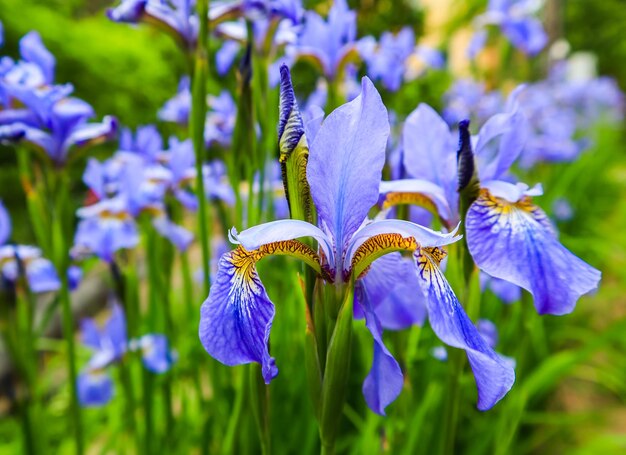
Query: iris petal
{"type": "Point", "coordinates": [515, 242]}
{"type": "Point", "coordinates": [236, 318]}
{"type": "Point", "coordinates": [346, 161]}
{"type": "Point", "coordinates": [420, 234]}
{"type": "Point", "coordinates": [426, 194]}
{"type": "Point", "coordinates": [391, 284]}
{"type": "Point", "coordinates": [494, 376]}
{"type": "Point", "coordinates": [281, 230]}
{"type": "Point", "coordinates": [383, 383]}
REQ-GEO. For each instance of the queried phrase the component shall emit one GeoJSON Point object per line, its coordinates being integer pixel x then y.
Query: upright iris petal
{"type": "Point", "coordinates": [512, 239]}
{"type": "Point", "coordinates": [345, 164]}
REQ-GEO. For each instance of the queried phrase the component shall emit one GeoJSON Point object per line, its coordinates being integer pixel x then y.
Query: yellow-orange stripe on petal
{"type": "Point", "coordinates": [377, 246]}
{"type": "Point", "coordinates": [244, 260]}
{"type": "Point", "coordinates": [393, 199]}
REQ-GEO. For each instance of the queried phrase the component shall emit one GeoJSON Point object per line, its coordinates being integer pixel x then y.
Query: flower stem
{"type": "Point", "coordinates": [59, 236]}
{"type": "Point", "coordinates": [198, 115]}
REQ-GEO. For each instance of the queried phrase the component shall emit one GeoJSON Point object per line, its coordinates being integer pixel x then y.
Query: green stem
{"type": "Point", "coordinates": [59, 236]}
{"type": "Point", "coordinates": [198, 115]}
{"type": "Point", "coordinates": [260, 392]}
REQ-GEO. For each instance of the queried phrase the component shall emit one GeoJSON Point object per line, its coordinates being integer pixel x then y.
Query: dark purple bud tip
{"type": "Point", "coordinates": [290, 127]}
{"type": "Point", "coordinates": [464, 156]}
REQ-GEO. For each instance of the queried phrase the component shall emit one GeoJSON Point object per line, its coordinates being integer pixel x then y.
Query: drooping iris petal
{"type": "Point", "coordinates": [346, 161]}
{"type": "Point", "coordinates": [514, 241]}
{"type": "Point", "coordinates": [236, 318]}
{"type": "Point", "coordinates": [383, 383]}
{"type": "Point", "coordinates": [494, 376]}
{"type": "Point", "coordinates": [393, 291]}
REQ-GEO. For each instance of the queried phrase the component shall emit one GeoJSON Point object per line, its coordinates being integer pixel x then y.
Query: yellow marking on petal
{"type": "Point", "coordinates": [378, 246]}
{"type": "Point", "coordinates": [500, 210]}
{"type": "Point", "coordinates": [428, 260]}
{"type": "Point", "coordinates": [244, 261]}
{"type": "Point", "coordinates": [418, 199]}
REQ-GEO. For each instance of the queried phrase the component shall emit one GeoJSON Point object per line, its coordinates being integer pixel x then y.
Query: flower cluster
{"type": "Point", "coordinates": [141, 180]}
{"type": "Point", "coordinates": [35, 109]}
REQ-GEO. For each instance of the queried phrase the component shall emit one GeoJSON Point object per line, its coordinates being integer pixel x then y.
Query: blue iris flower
{"type": "Point", "coordinates": [109, 345]}
{"type": "Point", "coordinates": [394, 58]}
{"type": "Point", "coordinates": [331, 43]}
{"type": "Point", "coordinates": [343, 171]}
{"type": "Point", "coordinates": [507, 235]}
{"type": "Point", "coordinates": [24, 261]}
{"type": "Point", "coordinates": [516, 20]}
{"type": "Point", "coordinates": [45, 116]}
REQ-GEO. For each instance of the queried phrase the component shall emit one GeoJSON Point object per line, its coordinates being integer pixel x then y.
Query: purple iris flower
{"type": "Point", "coordinates": [393, 58]}
{"type": "Point", "coordinates": [104, 228]}
{"type": "Point", "coordinates": [330, 43]}
{"type": "Point", "coordinates": [220, 117]}
{"type": "Point", "coordinates": [24, 260]}
{"type": "Point", "coordinates": [109, 345]}
{"type": "Point", "coordinates": [344, 170]}
{"type": "Point", "coordinates": [507, 235]}
{"type": "Point", "coordinates": [56, 124]}
{"type": "Point", "coordinates": [47, 118]}
{"type": "Point", "coordinates": [429, 158]}
{"type": "Point", "coordinates": [516, 21]}
{"type": "Point", "coordinates": [34, 70]}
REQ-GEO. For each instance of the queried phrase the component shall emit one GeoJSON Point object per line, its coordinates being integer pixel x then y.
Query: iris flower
{"type": "Point", "coordinates": [41, 113]}
{"type": "Point", "coordinates": [330, 44]}
{"type": "Point", "coordinates": [343, 171]}
{"type": "Point", "coordinates": [393, 58]}
{"type": "Point", "coordinates": [508, 236]}
{"type": "Point", "coordinates": [24, 261]}
{"type": "Point", "coordinates": [516, 21]}
{"type": "Point", "coordinates": [109, 345]}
